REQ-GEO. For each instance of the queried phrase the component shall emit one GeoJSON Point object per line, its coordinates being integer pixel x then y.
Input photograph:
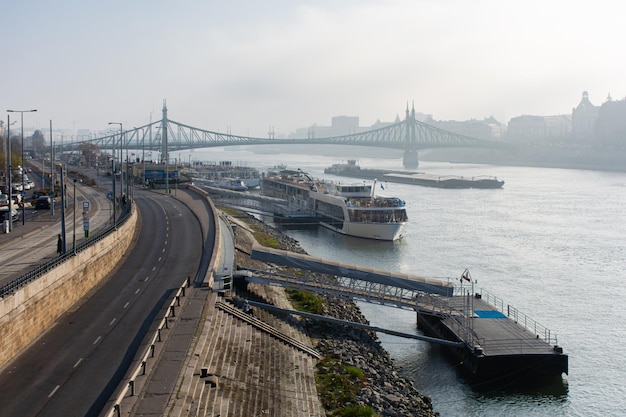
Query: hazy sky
{"type": "Point", "coordinates": [248, 65]}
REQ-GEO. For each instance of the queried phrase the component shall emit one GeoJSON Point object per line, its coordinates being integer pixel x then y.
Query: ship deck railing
{"type": "Point", "coordinates": [459, 311]}
{"type": "Point", "coordinates": [521, 318]}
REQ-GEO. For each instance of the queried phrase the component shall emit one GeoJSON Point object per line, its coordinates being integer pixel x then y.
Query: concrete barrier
{"type": "Point", "coordinates": [216, 257]}
{"type": "Point", "coordinates": [32, 309]}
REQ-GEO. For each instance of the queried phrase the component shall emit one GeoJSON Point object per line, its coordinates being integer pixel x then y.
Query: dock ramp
{"type": "Point", "coordinates": [377, 276]}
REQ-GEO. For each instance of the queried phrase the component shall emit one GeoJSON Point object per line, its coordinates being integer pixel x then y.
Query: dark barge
{"type": "Point", "coordinates": [351, 169]}
{"type": "Point", "coordinates": [497, 344]}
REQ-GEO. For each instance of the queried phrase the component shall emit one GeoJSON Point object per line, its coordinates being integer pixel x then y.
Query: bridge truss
{"type": "Point", "coordinates": [167, 136]}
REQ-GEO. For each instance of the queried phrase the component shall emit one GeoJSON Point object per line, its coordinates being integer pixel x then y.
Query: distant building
{"type": "Point", "coordinates": [539, 130]}
{"type": "Point", "coordinates": [584, 118]}
{"type": "Point", "coordinates": [488, 129]}
{"type": "Point", "coordinates": [610, 126]}
{"type": "Point", "coordinates": [340, 126]}
{"type": "Point", "coordinates": [347, 125]}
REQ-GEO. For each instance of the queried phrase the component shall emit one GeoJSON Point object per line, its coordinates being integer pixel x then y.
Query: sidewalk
{"type": "Point", "coordinates": [32, 226]}
{"type": "Point", "coordinates": [30, 244]}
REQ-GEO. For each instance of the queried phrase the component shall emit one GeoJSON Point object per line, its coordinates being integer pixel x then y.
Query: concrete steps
{"type": "Point", "coordinates": [243, 367]}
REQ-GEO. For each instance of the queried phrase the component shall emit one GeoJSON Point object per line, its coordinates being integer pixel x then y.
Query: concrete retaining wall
{"type": "Point", "coordinates": [216, 257]}
{"type": "Point", "coordinates": [31, 311]}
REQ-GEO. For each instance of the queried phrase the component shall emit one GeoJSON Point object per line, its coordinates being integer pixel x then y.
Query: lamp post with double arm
{"type": "Point", "coordinates": [21, 112]}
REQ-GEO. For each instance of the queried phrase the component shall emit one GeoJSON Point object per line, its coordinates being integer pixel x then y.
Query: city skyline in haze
{"type": "Point", "coordinates": [243, 67]}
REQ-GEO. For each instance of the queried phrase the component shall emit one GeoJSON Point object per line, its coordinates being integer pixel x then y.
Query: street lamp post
{"type": "Point", "coordinates": [9, 173]}
{"type": "Point", "coordinates": [113, 169]}
{"type": "Point", "coordinates": [23, 169]}
{"type": "Point", "coordinates": [74, 222]}
{"type": "Point", "coordinates": [51, 193]}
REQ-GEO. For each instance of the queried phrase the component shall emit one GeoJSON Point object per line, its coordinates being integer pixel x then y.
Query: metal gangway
{"type": "Point", "coordinates": [456, 305]}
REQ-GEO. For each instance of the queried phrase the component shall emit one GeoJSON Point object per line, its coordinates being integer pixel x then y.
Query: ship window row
{"type": "Point", "coordinates": [374, 203]}
{"type": "Point", "coordinates": [354, 189]}
{"type": "Point", "coordinates": [330, 210]}
{"type": "Point", "coordinates": [368, 216]}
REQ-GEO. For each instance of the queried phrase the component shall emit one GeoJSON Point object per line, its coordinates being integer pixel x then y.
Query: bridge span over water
{"type": "Point", "coordinates": [166, 136]}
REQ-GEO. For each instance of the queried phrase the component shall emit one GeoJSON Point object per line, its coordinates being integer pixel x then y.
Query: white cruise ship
{"type": "Point", "coordinates": [349, 209]}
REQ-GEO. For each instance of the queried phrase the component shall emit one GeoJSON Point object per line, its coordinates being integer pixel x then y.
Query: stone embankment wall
{"type": "Point", "coordinates": [27, 314]}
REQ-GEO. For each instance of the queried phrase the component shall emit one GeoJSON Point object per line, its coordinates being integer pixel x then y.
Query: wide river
{"type": "Point", "coordinates": [551, 242]}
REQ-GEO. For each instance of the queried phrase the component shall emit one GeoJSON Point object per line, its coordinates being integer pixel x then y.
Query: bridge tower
{"type": "Point", "coordinates": [164, 150]}
{"type": "Point", "coordinates": [410, 159]}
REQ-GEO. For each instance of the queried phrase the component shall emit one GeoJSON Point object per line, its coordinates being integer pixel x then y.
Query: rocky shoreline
{"type": "Point", "coordinates": [383, 389]}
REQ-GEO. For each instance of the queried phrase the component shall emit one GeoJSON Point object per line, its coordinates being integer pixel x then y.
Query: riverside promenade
{"type": "Point", "coordinates": [214, 360]}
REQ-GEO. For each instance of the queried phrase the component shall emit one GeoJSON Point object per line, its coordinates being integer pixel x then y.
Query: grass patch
{"type": "Point", "coordinates": [266, 240]}
{"type": "Point", "coordinates": [233, 212]}
{"type": "Point", "coordinates": [338, 385]}
{"type": "Point", "coordinates": [356, 410]}
{"type": "Point", "coordinates": [305, 301]}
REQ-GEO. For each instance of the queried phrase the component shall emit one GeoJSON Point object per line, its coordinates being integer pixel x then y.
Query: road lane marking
{"type": "Point", "coordinates": [95, 342]}
{"type": "Point", "coordinates": [126, 305]}
{"type": "Point", "coordinates": [78, 362]}
{"type": "Point", "coordinates": [54, 390]}
{"type": "Point", "coordinates": [138, 289]}
{"type": "Point", "coordinates": [112, 321]}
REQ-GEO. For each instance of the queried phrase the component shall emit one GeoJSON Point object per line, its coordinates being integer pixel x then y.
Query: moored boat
{"type": "Point", "coordinates": [233, 184]}
{"type": "Point", "coordinates": [353, 170]}
{"type": "Point", "coordinates": [349, 209]}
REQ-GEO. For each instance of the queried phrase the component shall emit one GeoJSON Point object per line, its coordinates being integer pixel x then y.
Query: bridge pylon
{"type": "Point", "coordinates": [410, 159]}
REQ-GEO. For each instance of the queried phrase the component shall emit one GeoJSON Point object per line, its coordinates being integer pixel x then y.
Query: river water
{"type": "Point", "coordinates": [551, 242]}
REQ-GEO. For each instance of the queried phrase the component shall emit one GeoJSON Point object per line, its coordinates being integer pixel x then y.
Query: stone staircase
{"type": "Point", "coordinates": [242, 366]}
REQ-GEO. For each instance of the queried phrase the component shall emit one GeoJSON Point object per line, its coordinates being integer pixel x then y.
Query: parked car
{"type": "Point", "coordinates": [5, 209]}
{"type": "Point", "coordinates": [43, 202]}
